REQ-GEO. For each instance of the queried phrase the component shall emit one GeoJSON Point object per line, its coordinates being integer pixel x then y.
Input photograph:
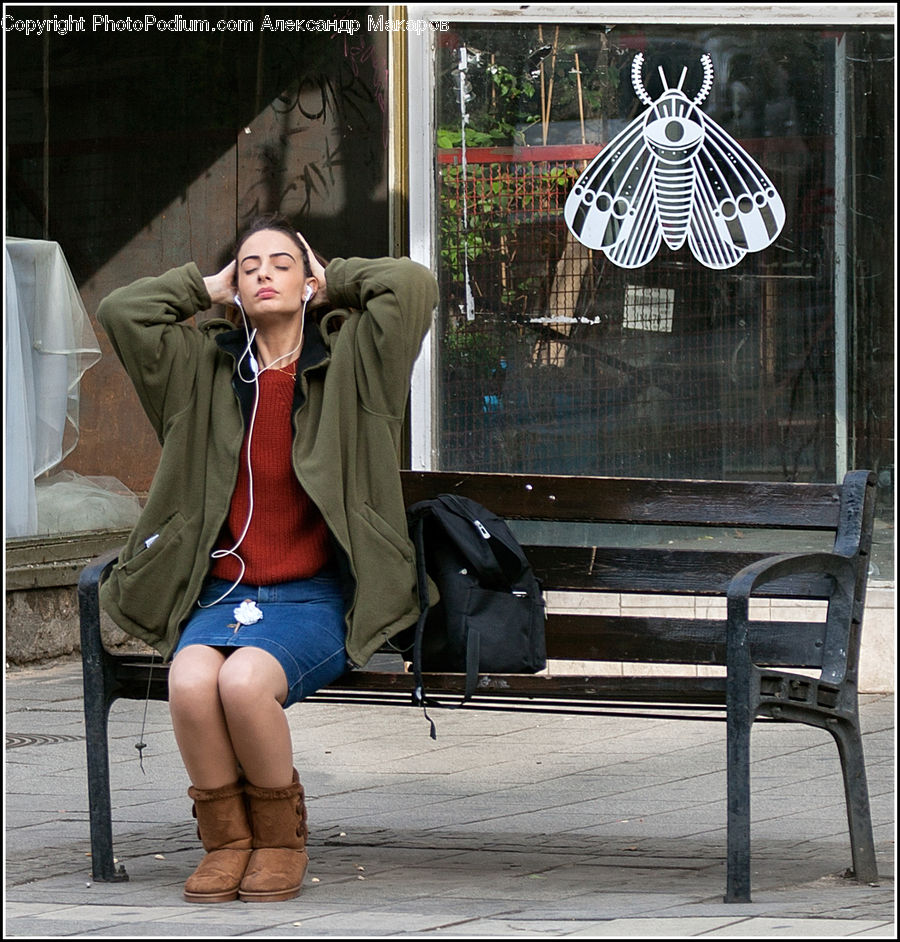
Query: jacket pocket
{"type": "Point", "coordinates": [385, 571]}
{"type": "Point", "coordinates": [149, 578]}
{"type": "Point", "coordinates": [393, 536]}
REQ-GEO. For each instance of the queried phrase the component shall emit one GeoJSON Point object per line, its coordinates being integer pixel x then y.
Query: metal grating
{"type": "Point", "coordinates": [554, 360]}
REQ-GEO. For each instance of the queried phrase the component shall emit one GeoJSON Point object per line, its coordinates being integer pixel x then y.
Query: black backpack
{"type": "Point", "coordinates": [490, 617]}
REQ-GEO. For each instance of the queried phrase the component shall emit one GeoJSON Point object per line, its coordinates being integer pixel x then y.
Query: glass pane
{"type": "Point", "coordinates": [552, 358]}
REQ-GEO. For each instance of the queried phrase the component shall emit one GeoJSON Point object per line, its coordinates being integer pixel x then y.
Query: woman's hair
{"type": "Point", "coordinates": [277, 223]}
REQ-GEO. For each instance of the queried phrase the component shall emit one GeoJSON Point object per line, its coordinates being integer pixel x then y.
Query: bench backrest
{"type": "Point", "coordinates": [672, 538]}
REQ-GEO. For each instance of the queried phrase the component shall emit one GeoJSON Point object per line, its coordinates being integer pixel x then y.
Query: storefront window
{"type": "Point", "coordinates": [551, 358]}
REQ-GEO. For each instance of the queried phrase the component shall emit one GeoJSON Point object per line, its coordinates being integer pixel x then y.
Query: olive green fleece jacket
{"type": "Point", "coordinates": [349, 401]}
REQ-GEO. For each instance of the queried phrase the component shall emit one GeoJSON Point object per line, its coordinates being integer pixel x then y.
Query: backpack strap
{"type": "Point", "coordinates": [418, 696]}
{"type": "Point", "coordinates": [473, 643]}
{"type": "Point", "coordinates": [498, 564]}
{"type": "Point", "coordinates": [473, 654]}
{"type": "Point", "coordinates": [486, 563]}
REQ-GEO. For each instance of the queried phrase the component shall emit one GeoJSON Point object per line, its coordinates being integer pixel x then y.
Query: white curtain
{"type": "Point", "coordinates": [49, 344]}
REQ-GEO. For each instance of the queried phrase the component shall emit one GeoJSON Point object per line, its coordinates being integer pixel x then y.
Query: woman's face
{"type": "Point", "coordinates": [270, 276]}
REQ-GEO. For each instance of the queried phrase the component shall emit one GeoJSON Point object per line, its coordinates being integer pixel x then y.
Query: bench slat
{"type": "Point", "coordinates": [679, 640]}
{"type": "Point", "coordinates": [567, 686]}
{"type": "Point", "coordinates": [652, 570]}
{"type": "Point", "coordinates": [637, 500]}
{"type": "Point", "coordinates": [636, 639]}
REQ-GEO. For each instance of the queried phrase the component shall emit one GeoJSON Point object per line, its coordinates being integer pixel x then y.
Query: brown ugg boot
{"type": "Point", "coordinates": [224, 828]}
{"type": "Point", "coordinates": [278, 862]}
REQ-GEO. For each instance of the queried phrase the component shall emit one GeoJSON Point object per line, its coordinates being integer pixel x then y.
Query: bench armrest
{"type": "Point", "coordinates": [842, 571]}
{"type": "Point", "coordinates": [89, 602]}
{"type": "Point", "coordinates": [97, 569]}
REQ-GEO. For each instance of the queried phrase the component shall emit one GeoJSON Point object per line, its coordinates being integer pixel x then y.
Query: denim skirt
{"type": "Point", "coordinates": [302, 627]}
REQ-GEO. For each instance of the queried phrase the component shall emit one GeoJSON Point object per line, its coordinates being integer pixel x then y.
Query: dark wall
{"type": "Point", "coordinates": [141, 150]}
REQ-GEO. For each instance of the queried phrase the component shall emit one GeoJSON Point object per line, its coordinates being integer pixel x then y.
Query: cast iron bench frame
{"type": "Point", "coordinates": [754, 652]}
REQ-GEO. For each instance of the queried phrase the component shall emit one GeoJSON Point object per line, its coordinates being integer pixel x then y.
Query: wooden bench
{"type": "Point", "coordinates": [630, 535]}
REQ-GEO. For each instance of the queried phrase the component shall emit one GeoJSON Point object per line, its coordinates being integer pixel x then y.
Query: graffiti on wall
{"type": "Point", "coordinates": [318, 146]}
{"type": "Point", "coordinates": [674, 176]}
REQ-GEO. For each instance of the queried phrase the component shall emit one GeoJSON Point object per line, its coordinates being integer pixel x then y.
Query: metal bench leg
{"type": "Point", "coordinates": [737, 887]}
{"type": "Point", "coordinates": [856, 791]}
{"type": "Point", "coordinates": [742, 697]}
{"type": "Point", "coordinates": [96, 714]}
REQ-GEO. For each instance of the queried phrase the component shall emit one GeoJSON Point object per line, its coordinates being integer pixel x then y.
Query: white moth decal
{"type": "Point", "coordinates": [674, 174]}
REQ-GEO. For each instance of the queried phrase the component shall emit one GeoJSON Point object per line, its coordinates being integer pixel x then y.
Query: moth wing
{"type": "Point", "coordinates": [709, 238]}
{"type": "Point", "coordinates": [612, 206]}
{"type": "Point", "coordinates": [737, 208]}
{"type": "Point", "coordinates": [638, 235]}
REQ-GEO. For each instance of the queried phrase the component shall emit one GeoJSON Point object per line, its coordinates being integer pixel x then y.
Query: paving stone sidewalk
{"type": "Point", "coordinates": [509, 824]}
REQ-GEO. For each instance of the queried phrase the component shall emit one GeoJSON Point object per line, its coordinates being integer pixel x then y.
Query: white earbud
{"type": "Point", "coordinates": [308, 293]}
{"type": "Point", "coordinates": [237, 301]}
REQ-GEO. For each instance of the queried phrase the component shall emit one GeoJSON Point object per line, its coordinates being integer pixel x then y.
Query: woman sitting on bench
{"type": "Point", "coordinates": [272, 552]}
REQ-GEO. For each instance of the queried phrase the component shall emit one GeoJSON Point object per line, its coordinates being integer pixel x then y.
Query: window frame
{"type": "Point", "coordinates": [421, 52]}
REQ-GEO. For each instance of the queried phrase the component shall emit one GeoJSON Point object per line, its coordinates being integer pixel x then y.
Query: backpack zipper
{"type": "Point", "coordinates": [481, 528]}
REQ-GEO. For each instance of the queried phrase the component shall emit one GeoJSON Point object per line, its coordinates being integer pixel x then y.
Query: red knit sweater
{"type": "Point", "coordinates": [287, 538]}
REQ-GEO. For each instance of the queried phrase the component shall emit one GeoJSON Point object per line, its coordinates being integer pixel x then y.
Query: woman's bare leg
{"type": "Point", "coordinates": [198, 719]}
{"type": "Point", "coordinates": [252, 688]}
{"type": "Point", "coordinates": [227, 716]}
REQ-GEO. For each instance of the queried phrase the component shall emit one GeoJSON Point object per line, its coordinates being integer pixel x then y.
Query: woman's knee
{"type": "Point", "coordinates": [250, 677]}
{"type": "Point", "coordinates": [194, 677]}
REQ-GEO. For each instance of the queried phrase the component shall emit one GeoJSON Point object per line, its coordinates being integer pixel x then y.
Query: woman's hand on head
{"type": "Point", "coordinates": [223, 285]}
{"type": "Point", "coordinates": [317, 271]}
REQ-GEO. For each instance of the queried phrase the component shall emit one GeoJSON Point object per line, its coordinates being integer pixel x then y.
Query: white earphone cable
{"type": "Point", "coordinates": [254, 366]}
{"type": "Point", "coordinates": [290, 353]}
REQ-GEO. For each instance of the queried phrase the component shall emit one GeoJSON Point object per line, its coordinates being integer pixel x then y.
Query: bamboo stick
{"type": "Point", "coordinates": [580, 98]}
{"type": "Point", "coordinates": [552, 76]}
